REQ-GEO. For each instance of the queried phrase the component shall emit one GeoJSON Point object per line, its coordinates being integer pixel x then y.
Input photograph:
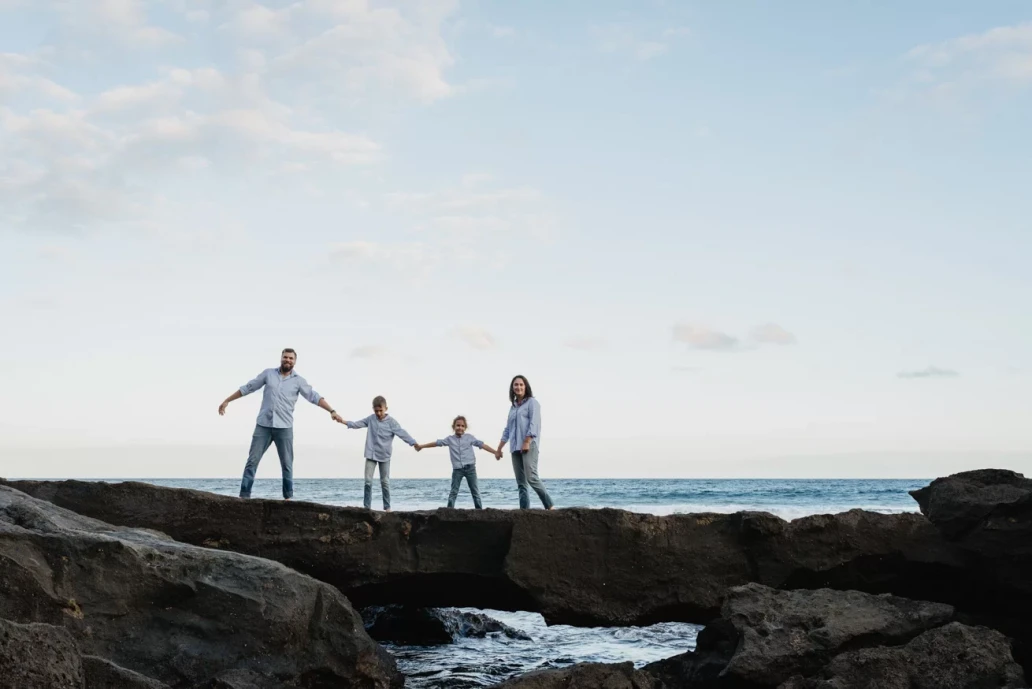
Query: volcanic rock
{"type": "Point", "coordinates": [176, 613]}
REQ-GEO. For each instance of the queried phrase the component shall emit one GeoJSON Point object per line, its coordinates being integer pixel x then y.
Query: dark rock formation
{"type": "Point", "coordinates": [785, 633]}
{"type": "Point", "coordinates": [584, 676]}
{"type": "Point", "coordinates": [954, 656]}
{"type": "Point", "coordinates": [768, 639]}
{"type": "Point", "coordinates": [176, 613]}
{"type": "Point", "coordinates": [103, 674]}
{"type": "Point", "coordinates": [987, 516]}
{"type": "Point", "coordinates": [575, 566]}
{"type": "Point", "coordinates": [402, 624]}
{"type": "Point", "coordinates": [38, 656]}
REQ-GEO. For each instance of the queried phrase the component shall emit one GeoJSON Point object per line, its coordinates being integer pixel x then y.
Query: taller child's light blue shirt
{"type": "Point", "coordinates": [380, 436]}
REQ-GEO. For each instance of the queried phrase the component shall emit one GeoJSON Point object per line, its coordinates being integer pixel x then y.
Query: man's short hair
{"type": "Point", "coordinates": [379, 401]}
{"type": "Point", "coordinates": [288, 350]}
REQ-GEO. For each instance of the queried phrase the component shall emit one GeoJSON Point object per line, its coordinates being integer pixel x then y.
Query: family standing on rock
{"type": "Point", "coordinates": [275, 424]}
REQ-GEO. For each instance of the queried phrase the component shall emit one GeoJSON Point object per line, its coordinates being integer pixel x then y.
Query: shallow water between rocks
{"type": "Point", "coordinates": [484, 662]}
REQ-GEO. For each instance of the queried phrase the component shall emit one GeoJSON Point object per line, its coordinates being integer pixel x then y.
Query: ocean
{"type": "Point", "coordinates": [483, 662]}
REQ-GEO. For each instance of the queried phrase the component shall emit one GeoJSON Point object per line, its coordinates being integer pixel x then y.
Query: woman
{"type": "Point", "coordinates": [523, 428]}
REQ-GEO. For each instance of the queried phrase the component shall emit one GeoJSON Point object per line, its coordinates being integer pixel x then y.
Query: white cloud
{"type": "Point", "coordinates": [356, 48]}
{"type": "Point", "coordinates": [929, 372]}
{"type": "Point", "coordinates": [772, 333]}
{"type": "Point", "coordinates": [123, 22]}
{"type": "Point", "coordinates": [704, 338]}
{"type": "Point", "coordinates": [999, 55]}
{"type": "Point", "coordinates": [19, 76]}
{"type": "Point", "coordinates": [586, 343]}
{"type": "Point", "coordinates": [700, 337]}
{"type": "Point", "coordinates": [369, 352]}
{"type": "Point", "coordinates": [471, 210]}
{"type": "Point", "coordinates": [92, 161]}
{"type": "Point", "coordinates": [628, 40]}
{"type": "Point", "coordinates": [476, 337]}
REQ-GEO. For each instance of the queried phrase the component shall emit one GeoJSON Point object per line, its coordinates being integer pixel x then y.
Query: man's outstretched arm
{"type": "Point", "coordinates": [323, 404]}
{"type": "Point", "coordinates": [318, 400]}
{"type": "Point", "coordinates": [225, 403]}
{"type": "Point", "coordinates": [257, 384]}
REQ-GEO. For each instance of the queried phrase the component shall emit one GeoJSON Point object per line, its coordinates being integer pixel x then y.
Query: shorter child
{"type": "Point", "coordinates": [378, 447]}
{"type": "Point", "coordinates": [463, 460]}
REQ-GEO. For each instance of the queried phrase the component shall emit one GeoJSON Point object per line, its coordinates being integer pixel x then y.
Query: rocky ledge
{"type": "Point", "coordinates": [797, 605]}
{"type": "Point", "coordinates": [575, 566]}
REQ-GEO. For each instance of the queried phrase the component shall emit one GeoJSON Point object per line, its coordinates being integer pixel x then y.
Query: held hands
{"type": "Point", "coordinates": [337, 417]}
{"type": "Point", "coordinates": [222, 408]}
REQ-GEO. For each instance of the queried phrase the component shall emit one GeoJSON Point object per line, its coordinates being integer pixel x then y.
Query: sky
{"type": "Point", "coordinates": [719, 239]}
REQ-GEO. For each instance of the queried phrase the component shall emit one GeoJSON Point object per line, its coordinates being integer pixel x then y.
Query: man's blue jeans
{"type": "Point", "coordinates": [260, 441]}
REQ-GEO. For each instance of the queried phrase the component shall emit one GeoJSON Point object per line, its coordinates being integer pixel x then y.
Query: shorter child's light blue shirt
{"type": "Point", "coordinates": [460, 447]}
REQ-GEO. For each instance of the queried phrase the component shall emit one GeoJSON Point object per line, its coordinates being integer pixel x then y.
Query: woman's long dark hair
{"type": "Point", "coordinates": [526, 384]}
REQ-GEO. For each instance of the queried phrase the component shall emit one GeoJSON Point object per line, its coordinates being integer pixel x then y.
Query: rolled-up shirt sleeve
{"type": "Point", "coordinates": [403, 434]}
{"type": "Point", "coordinates": [308, 393]}
{"type": "Point", "coordinates": [257, 384]}
{"type": "Point", "coordinates": [441, 442]}
{"type": "Point", "coordinates": [533, 418]}
{"type": "Point", "coordinates": [478, 443]}
{"type": "Point", "coordinates": [361, 423]}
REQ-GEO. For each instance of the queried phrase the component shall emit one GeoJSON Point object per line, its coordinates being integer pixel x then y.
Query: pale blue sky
{"type": "Point", "coordinates": [719, 238]}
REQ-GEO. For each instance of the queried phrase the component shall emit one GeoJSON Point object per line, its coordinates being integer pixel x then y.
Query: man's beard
{"type": "Point", "coordinates": [286, 368]}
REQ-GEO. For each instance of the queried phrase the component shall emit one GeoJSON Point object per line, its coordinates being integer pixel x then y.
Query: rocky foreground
{"type": "Point", "coordinates": [793, 605]}
{"type": "Point", "coordinates": [82, 602]}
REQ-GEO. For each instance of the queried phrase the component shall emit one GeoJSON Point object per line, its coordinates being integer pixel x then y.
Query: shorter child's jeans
{"type": "Point", "coordinates": [470, 472]}
{"type": "Point", "coordinates": [385, 482]}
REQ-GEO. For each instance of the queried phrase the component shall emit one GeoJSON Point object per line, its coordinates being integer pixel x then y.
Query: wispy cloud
{"type": "Point", "coordinates": [929, 372]}
{"type": "Point", "coordinates": [1002, 55]}
{"type": "Point", "coordinates": [625, 39]}
{"type": "Point", "coordinates": [476, 337]}
{"type": "Point", "coordinates": [772, 333]}
{"type": "Point", "coordinates": [370, 352]}
{"type": "Point", "coordinates": [701, 337]}
{"type": "Point", "coordinates": [705, 338]}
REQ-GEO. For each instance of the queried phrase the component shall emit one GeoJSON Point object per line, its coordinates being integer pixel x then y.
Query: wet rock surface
{"type": "Point", "coordinates": [410, 626]}
{"type": "Point", "coordinates": [817, 640]}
